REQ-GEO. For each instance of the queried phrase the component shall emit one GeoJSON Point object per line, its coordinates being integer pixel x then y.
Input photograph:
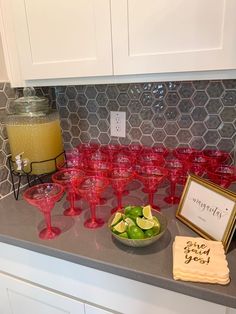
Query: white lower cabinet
{"type": "Point", "coordinates": [20, 297]}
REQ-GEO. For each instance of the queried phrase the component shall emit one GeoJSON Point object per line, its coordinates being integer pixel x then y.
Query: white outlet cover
{"type": "Point", "coordinates": [118, 123]}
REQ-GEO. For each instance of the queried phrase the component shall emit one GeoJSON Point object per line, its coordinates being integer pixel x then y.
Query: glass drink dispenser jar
{"type": "Point", "coordinates": [34, 134]}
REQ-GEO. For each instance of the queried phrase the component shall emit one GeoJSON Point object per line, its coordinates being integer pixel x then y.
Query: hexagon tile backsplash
{"type": "Point", "coordinates": [199, 114]}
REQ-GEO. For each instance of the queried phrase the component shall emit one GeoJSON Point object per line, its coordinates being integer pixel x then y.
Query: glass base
{"type": "Point", "coordinates": [94, 223]}
{"type": "Point", "coordinates": [48, 234]}
{"type": "Point", "coordinates": [72, 211]}
{"type": "Point", "coordinates": [172, 199]}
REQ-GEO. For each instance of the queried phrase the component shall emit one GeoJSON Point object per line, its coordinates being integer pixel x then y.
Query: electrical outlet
{"type": "Point", "coordinates": [118, 123]}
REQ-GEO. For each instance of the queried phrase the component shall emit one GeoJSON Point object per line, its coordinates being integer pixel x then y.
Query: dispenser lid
{"type": "Point", "coordinates": [30, 104]}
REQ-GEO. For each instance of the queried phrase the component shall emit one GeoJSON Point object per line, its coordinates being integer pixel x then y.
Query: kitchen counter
{"type": "Point", "coordinates": [19, 224]}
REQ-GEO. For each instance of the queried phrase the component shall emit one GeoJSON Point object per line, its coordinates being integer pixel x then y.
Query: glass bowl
{"type": "Point", "coordinates": [141, 242]}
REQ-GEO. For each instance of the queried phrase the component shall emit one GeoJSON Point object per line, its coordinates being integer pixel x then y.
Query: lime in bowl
{"type": "Point", "coordinates": [137, 226]}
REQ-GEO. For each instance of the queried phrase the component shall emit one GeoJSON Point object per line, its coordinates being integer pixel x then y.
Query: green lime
{"type": "Point", "coordinates": [144, 223]}
{"type": "Point", "coordinates": [156, 230]}
{"type": "Point", "coordinates": [149, 233]}
{"type": "Point", "coordinates": [134, 232]}
{"type": "Point", "coordinates": [147, 212]}
{"type": "Point", "coordinates": [117, 218]}
{"type": "Point", "coordinates": [120, 227]}
{"type": "Point", "coordinates": [123, 235]}
{"type": "Point", "coordinates": [129, 221]}
{"type": "Point", "coordinates": [127, 209]}
{"type": "Point", "coordinates": [136, 211]}
{"type": "Point", "coordinates": [156, 221]}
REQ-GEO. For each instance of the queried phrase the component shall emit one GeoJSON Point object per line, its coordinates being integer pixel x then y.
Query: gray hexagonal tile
{"type": "Point", "coordinates": [5, 188]}
{"type": "Point", "coordinates": [158, 90]}
{"type": "Point", "coordinates": [82, 112]}
{"type": "Point", "coordinates": [65, 125]}
{"type": "Point", "coordinates": [158, 135]}
{"type": "Point", "coordinates": [83, 125]}
{"type": "Point", "coordinates": [124, 141]}
{"type": "Point", "coordinates": [146, 140]}
{"type": "Point", "coordinates": [72, 106]}
{"type": "Point", "coordinates": [101, 88]}
{"type": "Point", "coordinates": [226, 145]}
{"type": "Point", "coordinates": [171, 128]}
{"type": "Point", "coordinates": [123, 99]}
{"type": "Point", "coordinates": [227, 130]}
{"type": "Point", "coordinates": [184, 136]}
{"type": "Point", "coordinates": [172, 86]}
{"type": "Point", "coordinates": [158, 121]}
{"type": "Point", "coordinates": [212, 122]}
{"type": "Point", "coordinates": [134, 91]}
{"type": "Point", "coordinates": [3, 173]}
{"type": "Point", "coordinates": [90, 92]}
{"type": "Point", "coordinates": [199, 114]}
{"type": "Point", "coordinates": [62, 100]}
{"type": "Point", "coordinates": [2, 85]}
{"type": "Point", "coordinates": [60, 89]}
{"type": "Point", "coordinates": [159, 107]}
{"type": "Point", "coordinates": [211, 137]}
{"type": "Point", "coordinates": [147, 99]}
{"type": "Point", "coordinates": [135, 134]}
{"type": "Point", "coordinates": [197, 143]}
{"type": "Point", "coordinates": [228, 114]}
{"type": "Point", "coordinates": [200, 85]}
{"type": "Point", "coordinates": [185, 105]}
{"type": "Point", "coordinates": [184, 121]}
{"type": "Point", "coordinates": [229, 84]}
{"type": "Point", "coordinates": [3, 132]}
{"type": "Point", "coordinates": [146, 127]}
{"type": "Point", "coordinates": [123, 87]}
{"type": "Point", "coordinates": [172, 99]}
{"type": "Point", "coordinates": [112, 92]}
{"type": "Point", "coordinates": [103, 126]}
{"type": "Point", "coordinates": [146, 87]}
{"type": "Point", "coordinates": [171, 113]}
{"type": "Point", "coordinates": [64, 112]}
{"type": "Point", "coordinates": [134, 106]}
{"type": "Point", "coordinates": [102, 113]}
{"type": "Point", "coordinates": [94, 132]}
{"type": "Point", "coordinates": [186, 90]}
{"type": "Point", "coordinates": [103, 138]}
{"type": "Point", "coordinates": [92, 105]}
{"type": "Point", "coordinates": [102, 99]}
{"type": "Point", "coordinates": [229, 98]}
{"type": "Point", "coordinates": [112, 105]}
{"type": "Point", "coordinates": [135, 120]}
{"type": "Point", "coordinates": [3, 100]}
{"type": "Point", "coordinates": [171, 142]}
{"type": "Point", "coordinates": [75, 142]}
{"type": "Point", "coordinates": [214, 106]}
{"type": "Point", "coordinates": [93, 119]}
{"type": "Point", "coordinates": [200, 98]}
{"type": "Point", "coordinates": [6, 148]}
{"type": "Point", "coordinates": [73, 118]}
{"type": "Point", "coordinates": [198, 129]}
{"type": "Point", "coordinates": [71, 92]}
{"type": "Point", "coordinates": [146, 113]}
{"type": "Point", "coordinates": [215, 89]}
{"type": "Point", "coordinates": [66, 136]}
{"type": "Point", "coordinates": [84, 137]}
{"type": "Point", "coordinates": [75, 130]}
{"type": "Point", "coordinates": [81, 99]}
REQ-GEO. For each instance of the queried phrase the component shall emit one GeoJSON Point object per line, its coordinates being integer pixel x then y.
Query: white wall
{"type": "Point", "coordinates": [3, 72]}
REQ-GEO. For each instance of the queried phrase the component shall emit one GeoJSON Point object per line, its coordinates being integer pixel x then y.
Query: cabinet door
{"type": "Point", "coordinates": [20, 297]}
{"type": "Point", "coordinates": [154, 36]}
{"type": "Point", "coordinates": [89, 309]}
{"type": "Point", "coordinates": [60, 39]}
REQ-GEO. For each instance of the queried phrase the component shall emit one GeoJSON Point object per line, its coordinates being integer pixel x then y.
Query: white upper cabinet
{"type": "Point", "coordinates": [156, 36]}
{"type": "Point", "coordinates": [94, 39]}
{"type": "Point", "coordinates": [59, 39]}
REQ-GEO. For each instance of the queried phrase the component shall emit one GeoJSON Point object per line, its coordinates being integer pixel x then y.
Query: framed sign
{"type": "Point", "coordinates": [208, 209]}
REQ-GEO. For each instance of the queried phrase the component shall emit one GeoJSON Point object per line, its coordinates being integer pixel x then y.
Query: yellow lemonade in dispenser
{"type": "Point", "coordinates": [34, 135]}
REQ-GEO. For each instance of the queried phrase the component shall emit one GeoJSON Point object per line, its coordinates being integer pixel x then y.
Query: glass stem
{"type": "Point", "coordinates": [172, 188]}
{"type": "Point", "coordinates": [72, 200]}
{"type": "Point", "coordinates": [93, 211]}
{"type": "Point", "coordinates": [119, 200]}
{"type": "Point", "coordinates": [47, 216]}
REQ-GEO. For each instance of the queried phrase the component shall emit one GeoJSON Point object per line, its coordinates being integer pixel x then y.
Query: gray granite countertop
{"type": "Point", "coordinates": [19, 224]}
